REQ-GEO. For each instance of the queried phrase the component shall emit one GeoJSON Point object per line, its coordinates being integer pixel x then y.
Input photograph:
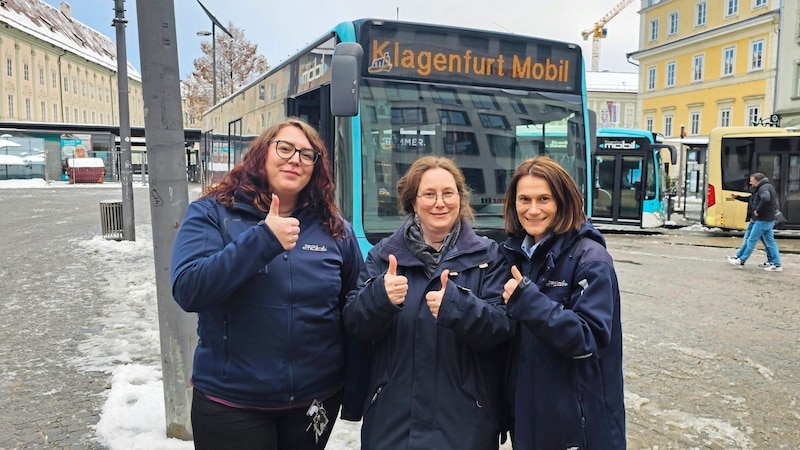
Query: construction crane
{"type": "Point", "coordinates": [599, 31]}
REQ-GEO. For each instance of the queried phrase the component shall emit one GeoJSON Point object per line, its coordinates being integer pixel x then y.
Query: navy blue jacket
{"type": "Point", "coordinates": [565, 386]}
{"type": "Point", "coordinates": [434, 383]}
{"type": "Point", "coordinates": [269, 320]}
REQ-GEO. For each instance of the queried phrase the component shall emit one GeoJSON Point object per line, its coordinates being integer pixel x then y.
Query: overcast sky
{"type": "Point", "coordinates": [281, 30]}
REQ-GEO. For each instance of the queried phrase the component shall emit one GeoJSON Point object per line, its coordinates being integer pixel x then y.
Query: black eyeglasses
{"type": "Point", "coordinates": [286, 150]}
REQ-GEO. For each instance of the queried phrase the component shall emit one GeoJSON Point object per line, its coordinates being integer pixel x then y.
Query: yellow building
{"type": "Point", "coordinates": [54, 69]}
{"type": "Point", "coordinates": [706, 63]}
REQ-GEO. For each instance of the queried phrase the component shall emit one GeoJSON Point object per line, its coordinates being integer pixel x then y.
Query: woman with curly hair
{"type": "Point", "coordinates": [266, 260]}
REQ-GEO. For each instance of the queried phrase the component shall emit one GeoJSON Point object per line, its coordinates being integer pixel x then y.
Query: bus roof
{"type": "Point", "coordinates": [720, 132]}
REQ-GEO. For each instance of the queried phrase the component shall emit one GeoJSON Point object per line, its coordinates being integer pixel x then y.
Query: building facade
{"type": "Point", "coordinates": [54, 69]}
{"type": "Point", "coordinates": [787, 94]}
{"type": "Point", "coordinates": [707, 63]}
{"type": "Point", "coordinates": [613, 96]}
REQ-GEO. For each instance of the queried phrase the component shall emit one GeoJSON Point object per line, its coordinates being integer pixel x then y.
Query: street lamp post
{"type": "Point", "coordinates": [214, 24]}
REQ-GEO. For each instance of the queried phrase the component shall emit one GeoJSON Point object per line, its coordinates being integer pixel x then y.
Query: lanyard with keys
{"type": "Point", "coordinates": [319, 419]}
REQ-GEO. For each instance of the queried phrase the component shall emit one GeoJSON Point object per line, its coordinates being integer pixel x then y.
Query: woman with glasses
{"type": "Point", "coordinates": [430, 303]}
{"type": "Point", "coordinates": [565, 386]}
{"type": "Point", "coordinates": [266, 260]}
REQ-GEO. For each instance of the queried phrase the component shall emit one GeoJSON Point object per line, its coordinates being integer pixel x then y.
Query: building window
{"type": "Point", "coordinates": [725, 117]}
{"type": "Point", "coordinates": [83, 88]}
{"type": "Point", "coordinates": [481, 100]}
{"type": "Point", "coordinates": [55, 112]}
{"type": "Point", "coordinates": [673, 23]}
{"type": "Point", "coordinates": [668, 125]}
{"type": "Point", "coordinates": [10, 105]}
{"type": "Point", "coordinates": [613, 112]}
{"type": "Point", "coordinates": [728, 61]}
{"type": "Point", "coordinates": [759, 3]}
{"type": "Point", "coordinates": [53, 79]}
{"type": "Point", "coordinates": [753, 115]}
{"type": "Point", "coordinates": [648, 121]}
{"type": "Point", "coordinates": [697, 68]}
{"type": "Point", "coordinates": [651, 78]}
{"type": "Point", "coordinates": [694, 123]}
{"type": "Point", "coordinates": [9, 67]}
{"type": "Point", "coordinates": [654, 30]}
{"type": "Point", "coordinates": [757, 55]}
{"type": "Point", "coordinates": [26, 73]}
{"type": "Point", "coordinates": [700, 13]}
{"type": "Point", "coordinates": [731, 7]}
{"type": "Point", "coordinates": [41, 76]}
{"type": "Point", "coordinates": [66, 84]}
{"type": "Point", "coordinates": [75, 87]}
{"type": "Point", "coordinates": [797, 80]}
{"type": "Point", "coordinates": [43, 107]}
{"type": "Point", "coordinates": [670, 75]}
{"type": "Point", "coordinates": [66, 114]}
{"type": "Point", "coordinates": [27, 109]}
{"type": "Point", "coordinates": [262, 92]}
{"type": "Point", "coordinates": [453, 117]}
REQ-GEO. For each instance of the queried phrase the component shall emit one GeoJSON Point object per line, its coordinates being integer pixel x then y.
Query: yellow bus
{"type": "Point", "coordinates": [733, 154]}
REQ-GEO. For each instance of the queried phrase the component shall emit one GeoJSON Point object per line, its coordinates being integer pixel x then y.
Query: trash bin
{"type": "Point", "coordinates": [111, 219]}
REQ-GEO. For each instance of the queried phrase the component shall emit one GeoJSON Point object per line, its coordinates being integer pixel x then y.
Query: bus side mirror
{"type": "Point", "coordinates": [345, 71]}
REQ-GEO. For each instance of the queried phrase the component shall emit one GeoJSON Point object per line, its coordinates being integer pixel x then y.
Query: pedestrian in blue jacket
{"type": "Point", "coordinates": [430, 303]}
{"type": "Point", "coordinates": [565, 386]}
{"type": "Point", "coordinates": [266, 260]}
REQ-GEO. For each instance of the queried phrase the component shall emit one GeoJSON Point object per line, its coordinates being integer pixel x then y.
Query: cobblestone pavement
{"type": "Point", "coordinates": [50, 294]}
{"type": "Point", "coordinates": [710, 351]}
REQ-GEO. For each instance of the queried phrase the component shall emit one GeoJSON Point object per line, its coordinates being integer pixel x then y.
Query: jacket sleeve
{"type": "Point", "coordinates": [205, 270]}
{"type": "Point", "coordinates": [369, 312]}
{"type": "Point", "coordinates": [357, 364]}
{"type": "Point", "coordinates": [477, 314]}
{"type": "Point", "coordinates": [583, 330]}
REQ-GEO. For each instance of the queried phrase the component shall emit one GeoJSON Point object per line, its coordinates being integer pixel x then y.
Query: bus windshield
{"type": "Point", "coordinates": [487, 131]}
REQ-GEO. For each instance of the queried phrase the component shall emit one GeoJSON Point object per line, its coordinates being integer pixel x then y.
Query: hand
{"type": "Point", "coordinates": [511, 284]}
{"type": "Point", "coordinates": [286, 229]}
{"type": "Point", "coordinates": [434, 298]}
{"type": "Point", "coordinates": [396, 285]}
{"type": "Point", "coordinates": [733, 195]}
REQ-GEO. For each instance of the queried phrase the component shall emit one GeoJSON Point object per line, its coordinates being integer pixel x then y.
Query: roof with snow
{"type": "Point", "coordinates": [51, 25]}
{"type": "Point", "coordinates": [623, 82]}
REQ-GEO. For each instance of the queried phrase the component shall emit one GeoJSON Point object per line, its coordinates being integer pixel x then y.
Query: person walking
{"type": "Point", "coordinates": [765, 204]}
{"type": "Point", "coordinates": [770, 250]}
{"type": "Point", "coordinates": [565, 388]}
{"type": "Point", "coordinates": [430, 304]}
{"type": "Point", "coordinates": [266, 261]}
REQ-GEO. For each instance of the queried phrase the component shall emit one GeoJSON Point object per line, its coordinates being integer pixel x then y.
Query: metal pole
{"type": "Point", "coordinates": [169, 198]}
{"type": "Point", "coordinates": [214, 59]}
{"type": "Point", "coordinates": [126, 171]}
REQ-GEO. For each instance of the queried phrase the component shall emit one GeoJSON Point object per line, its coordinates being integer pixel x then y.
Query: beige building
{"type": "Point", "coordinates": [613, 96]}
{"type": "Point", "coordinates": [707, 63]}
{"type": "Point", "coordinates": [54, 69]}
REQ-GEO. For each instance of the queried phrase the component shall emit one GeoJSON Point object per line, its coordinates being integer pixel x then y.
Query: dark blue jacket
{"type": "Point", "coordinates": [565, 386]}
{"type": "Point", "coordinates": [765, 204]}
{"type": "Point", "coordinates": [269, 320]}
{"type": "Point", "coordinates": [434, 383]}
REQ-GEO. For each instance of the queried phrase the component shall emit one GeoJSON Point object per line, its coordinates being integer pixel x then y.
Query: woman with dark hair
{"type": "Point", "coordinates": [565, 388]}
{"type": "Point", "coordinates": [430, 302]}
{"type": "Point", "coordinates": [266, 261]}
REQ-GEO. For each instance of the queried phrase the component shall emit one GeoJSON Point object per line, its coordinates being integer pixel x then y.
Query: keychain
{"type": "Point", "coordinates": [319, 419]}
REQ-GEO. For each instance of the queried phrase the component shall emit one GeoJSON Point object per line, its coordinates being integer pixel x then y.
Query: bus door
{"type": "Point", "coordinates": [619, 184]}
{"type": "Point", "coordinates": [781, 170]}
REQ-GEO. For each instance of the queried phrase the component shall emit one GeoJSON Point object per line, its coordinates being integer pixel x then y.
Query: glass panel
{"type": "Point", "coordinates": [486, 147]}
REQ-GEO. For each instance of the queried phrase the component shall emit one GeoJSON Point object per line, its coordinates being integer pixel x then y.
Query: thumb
{"type": "Point", "coordinates": [445, 275]}
{"type": "Point", "coordinates": [274, 206]}
{"type": "Point", "coordinates": [392, 265]}
{"type": "Point", "coordinates": [516, 273]}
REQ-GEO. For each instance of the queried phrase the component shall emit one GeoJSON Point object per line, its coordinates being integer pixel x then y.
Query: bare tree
{"type": "Point", "coordinates": [238, 63]}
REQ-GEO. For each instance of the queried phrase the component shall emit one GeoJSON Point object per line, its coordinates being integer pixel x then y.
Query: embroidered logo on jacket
{"type": "Point", "coordinates": [315, 248]}
{"type": "Point", "coordinates": [555, 283]}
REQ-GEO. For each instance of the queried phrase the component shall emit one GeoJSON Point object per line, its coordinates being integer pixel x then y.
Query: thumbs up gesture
{"type": "Point", "coordinates": [511, 284]}
{"type": "Point", "coordinates": [434, 298]}
{"type": "Point", "coordinates": [396, 285]}
{"type": "Point", "coordinates": [286, 229]}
